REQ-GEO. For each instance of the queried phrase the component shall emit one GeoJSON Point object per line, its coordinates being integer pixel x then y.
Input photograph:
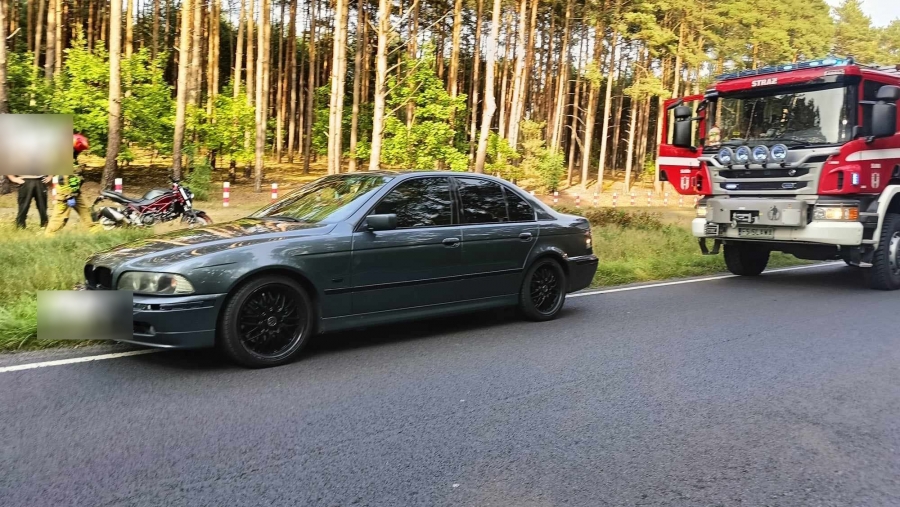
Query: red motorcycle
{"type": "Point", "coordinates": [156, 206]}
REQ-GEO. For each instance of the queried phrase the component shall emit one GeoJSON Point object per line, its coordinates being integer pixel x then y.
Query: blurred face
{"type": "Point", "coordinates": [35, 143]}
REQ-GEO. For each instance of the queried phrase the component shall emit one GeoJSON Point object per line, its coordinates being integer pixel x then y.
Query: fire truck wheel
{"type": "Point", "coordinates": [885, 273]}
{"type": "Point", "coordinates": [746, 259]}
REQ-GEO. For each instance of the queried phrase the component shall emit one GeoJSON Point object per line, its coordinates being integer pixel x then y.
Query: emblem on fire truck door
{"type": "Point", "coordinates": [685, 182]}
{"type": "Point", "coordinates": [876, 179]}
{"type": "Point", "coordinates": [773, 213]}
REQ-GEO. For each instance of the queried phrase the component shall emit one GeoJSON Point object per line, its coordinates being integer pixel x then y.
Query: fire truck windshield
{"type": "Point", "coordinates": [820, 115]}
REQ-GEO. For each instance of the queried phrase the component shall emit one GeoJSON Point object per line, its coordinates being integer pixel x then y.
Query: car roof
{"type": "Point", "coordinates": [416, 174]}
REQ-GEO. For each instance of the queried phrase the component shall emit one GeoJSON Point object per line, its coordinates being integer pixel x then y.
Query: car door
{"type": "Point", "coordinates": [498, 232]}
{"type": "Point", "coordinates": [417, 264]}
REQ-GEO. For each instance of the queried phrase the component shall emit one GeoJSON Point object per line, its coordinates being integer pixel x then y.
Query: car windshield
{"type": "Point", "coordinates": [807, 116]}
{"type": "Point", "coordinates": [324, 200]}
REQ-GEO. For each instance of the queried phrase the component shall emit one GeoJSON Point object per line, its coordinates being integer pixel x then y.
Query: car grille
{"type": "Point", "coordinates": [98, 277]}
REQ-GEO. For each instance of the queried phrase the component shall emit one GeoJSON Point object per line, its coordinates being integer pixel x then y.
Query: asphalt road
{"type": "Point", "coordinates": [782, 390]}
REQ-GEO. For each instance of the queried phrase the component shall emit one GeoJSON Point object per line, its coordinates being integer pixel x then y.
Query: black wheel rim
{"type": "Point", "coordinates": [271, 322]}
{"type": "Point", "coordinates": [545, 289]}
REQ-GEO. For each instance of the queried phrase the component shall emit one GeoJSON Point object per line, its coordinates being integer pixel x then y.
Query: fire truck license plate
{"type": "Point", "coordinates": [756, 232]}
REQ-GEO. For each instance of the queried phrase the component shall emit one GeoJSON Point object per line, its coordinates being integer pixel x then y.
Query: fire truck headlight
{"type": "Point", "coordinates": [726, 156]}
{"type": "Point", "coordinates": [760, 154]}
{"type": "Point", "coordinates": [742, 155]}
{"type": "Point", "coordinates": [701, 210]}
{"type": "Point", "coordinates": [778, 153]}
{"type": "Point", "coordinates": [835, 213]}
{"type": "Point", "coordinates": [160, 284]}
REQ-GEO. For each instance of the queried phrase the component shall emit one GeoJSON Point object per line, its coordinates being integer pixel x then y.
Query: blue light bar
{"type": "Point", "coordinates": [771, 69]}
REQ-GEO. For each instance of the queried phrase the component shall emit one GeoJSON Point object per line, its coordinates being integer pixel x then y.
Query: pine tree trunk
{"type": "Point", "coordinates": [154, 49]}
{"type": "Point", "coordinates": [4, 15]}
{"type": "Point", "coordinates": [239, 52]}
{"type": "Point", "coordinates": [562, 87]}
{"type": "Point", "coordinates": [115, 90]}
{"type": "Point", "coordinates": [490, 104]}
{"type": "Point", "coordinates": [249, 56]}
{"type": "Point", "coordinates": [262, 69]}
{"type": "Point", "coordinates": [412, 49]}
{"type": "Point", "coordinates": [516, 103]}
{"type": "Point", "coordinates": [184, 48]}
{"type": "Point", "coordinates": [453, 78]}
{"type": "Point", "coordinates": [338, 78]}
{"type": "Point", "coordinates": [310, 90]}
{"type": "Point", "coordinates": [357, 82]}
{"type": "Point", "coordinates": [504, 81]}
{"type": "Point", "coordinates": [384, 26]}
{"type": "Point", "coordinates": [29, 24]}
{"type": "Point", "coordinates": [297, 84]}
{"type": "Point", "coordinates": [629, 154]}
{"type": "Point", "coordinates": [38, 34]}
{"type": "Point", "coordinates": [279, 90]}
{"type": "Point", "coordinates": [50, 54]}
{"type": "Point", "coordinates": [61, 9]}
{"type": "Point", "coordinates": [196, 72]}
{"type": "Point", "coordinates": [129, 28]}
{"type": "Point", "coordinates": [576, 105]}
{"type": "Point", "coordinates": [476, 68]}
{"type": "Point", "coordinates": [104, 19]}
{"type": "Point", "coordinates": [607, 105]}
{"type": "Point", "coordinates": [289, 82]}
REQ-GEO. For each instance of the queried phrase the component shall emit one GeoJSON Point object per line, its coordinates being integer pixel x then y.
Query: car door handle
{"type": "Point", "coordinates": [451, 242]}
{"type": "Point", "coordinates": [525, 236]}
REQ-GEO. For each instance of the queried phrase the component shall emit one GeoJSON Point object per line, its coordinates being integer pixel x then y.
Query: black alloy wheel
{"type": "Point", "coordinates": [266, 322]}
{"type": "Point", "coordinates": [543, 290]}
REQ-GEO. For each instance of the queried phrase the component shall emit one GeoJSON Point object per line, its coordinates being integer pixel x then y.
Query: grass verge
{"type": "Point", "coordinates": [34, 262]}
{"type": "Point", "coordinates": [632, 246]}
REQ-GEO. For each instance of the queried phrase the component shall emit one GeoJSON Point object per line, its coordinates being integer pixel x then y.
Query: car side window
{"type": "Point", "coordinates": [422, 202]}
{"type": "Point", "coordinates": [519, 210]}
{"type": "Point", "coordinates": [482, 201]}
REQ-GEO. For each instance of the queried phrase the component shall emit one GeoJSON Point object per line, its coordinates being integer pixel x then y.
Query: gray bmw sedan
{"type": "Point", "coordinates": [347, 251]}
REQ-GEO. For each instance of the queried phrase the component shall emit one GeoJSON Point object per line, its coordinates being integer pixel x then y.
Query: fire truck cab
{"type": "Point", "coordinates": [801, 158]}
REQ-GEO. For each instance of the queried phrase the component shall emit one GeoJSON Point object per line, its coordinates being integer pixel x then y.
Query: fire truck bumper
{"type": "Point", "coordinates": [821, 232]}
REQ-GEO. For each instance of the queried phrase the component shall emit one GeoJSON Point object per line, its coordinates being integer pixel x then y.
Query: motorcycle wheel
{"type": "Point", "coordinates": [198, 220]}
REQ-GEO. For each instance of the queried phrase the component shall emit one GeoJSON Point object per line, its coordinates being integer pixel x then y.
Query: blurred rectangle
{"type": "Point", "coordinates": [36, 144]}
{"type": "Point", "coordinates": [84, 315]}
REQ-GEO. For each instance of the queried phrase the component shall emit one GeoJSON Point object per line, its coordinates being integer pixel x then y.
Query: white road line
{"type": "Point", "coordinates": [60, 362]}
{"type": "Point", "coordinates": [693, 280]}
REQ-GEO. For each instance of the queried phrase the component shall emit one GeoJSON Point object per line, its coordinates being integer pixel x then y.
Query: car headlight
{"type": "Point", "coordinates": [778, 153]}
{"type": "Point", "coordinates": [835, 213]}
{"type": "Point", "coordinates": [161, 284]}
{"type": "Point", "coordinates": [701, 211]}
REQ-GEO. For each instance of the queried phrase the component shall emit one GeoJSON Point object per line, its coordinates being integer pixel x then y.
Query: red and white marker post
{"type": "Point", "coordinates": [666, 199]}
{"type": "Point", "coordinates": [118, 182]}
{"type": "Point", "coordinates": [596, 199]}
{"type": "Point", "coordinates": [632, 199]}
{"type": "Point", "coordinates": [649, 199]}
{"type": "Point", "coordinates": [226, 193]}
{"type": "Point", "coordinates": [555, 198]}
{"type": "Point", "coordinates": [577, 201]}
{"type": "Point", "coordinates": [615, 198]}
{"type": "Point", "coordinates": [274, 191]}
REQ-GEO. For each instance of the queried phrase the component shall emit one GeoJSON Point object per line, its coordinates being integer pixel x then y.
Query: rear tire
{"type": "Point", "coordinates": [745, 259]}
{"type": "Point", "coordinates": [543, 291]}
{"type": "Point", "coordinates": [266, 322]}
{"type": "Point", "coordinates": [885, 272]}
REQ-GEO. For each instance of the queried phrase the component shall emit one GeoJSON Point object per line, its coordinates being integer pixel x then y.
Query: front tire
{"type": "Point", "coordinates": [745, 259]}
{"type": "Point", "coordinates": [543, 291]}
{"type": "Point", "coordinates": [885, 272]}
{"type": "Point", "coordinates": [266, 322]}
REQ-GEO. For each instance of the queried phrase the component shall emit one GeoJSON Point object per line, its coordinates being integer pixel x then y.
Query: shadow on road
{"type": "Point", "coordinates": [838, 277]}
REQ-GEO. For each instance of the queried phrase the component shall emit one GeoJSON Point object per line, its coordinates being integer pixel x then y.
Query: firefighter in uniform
{"type": "Point", "coordinates": [68, 194]}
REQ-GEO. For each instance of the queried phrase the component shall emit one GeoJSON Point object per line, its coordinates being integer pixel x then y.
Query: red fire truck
{"type": "Point", "coordinates": [802, 158]}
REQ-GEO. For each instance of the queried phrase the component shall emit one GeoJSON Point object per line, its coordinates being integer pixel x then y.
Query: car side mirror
{"type": "Point", "coordinates": [381, 222]}
{"type": "Point", "coordinates": [681, 136]}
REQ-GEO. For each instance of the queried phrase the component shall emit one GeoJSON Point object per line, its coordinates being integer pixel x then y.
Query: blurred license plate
{"type": "Point", "coordinates": [756, 232]}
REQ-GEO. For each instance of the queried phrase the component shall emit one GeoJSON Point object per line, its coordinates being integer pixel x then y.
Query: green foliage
{"type": "Point", "coordinates": [224, 131]}
{"type": "Point", "coordinates": [500, 158]}
{"type": "Point", "coordinates": [199, 180]}
{"type": "Point", "coordinates": [320, 122]}
{"type": "Point", "coordinates": [429, 141]}
{"type": "Point", "coordinates": [83, 91]}
{"type": "Point", "coordinates": [538, 161]}
{"type": "Point", "coordinates": [147, 105]}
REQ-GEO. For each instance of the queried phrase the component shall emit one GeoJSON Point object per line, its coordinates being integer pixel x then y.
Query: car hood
{"type": "Point", "coordinates": [202, 241]}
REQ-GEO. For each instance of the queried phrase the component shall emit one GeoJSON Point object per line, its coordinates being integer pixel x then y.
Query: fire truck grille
{"type": "Point", "coordinates": [763, 173]}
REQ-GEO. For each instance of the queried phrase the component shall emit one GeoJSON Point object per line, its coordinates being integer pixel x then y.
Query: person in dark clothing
{"type": "Point", "coordinates": [31, 188]}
